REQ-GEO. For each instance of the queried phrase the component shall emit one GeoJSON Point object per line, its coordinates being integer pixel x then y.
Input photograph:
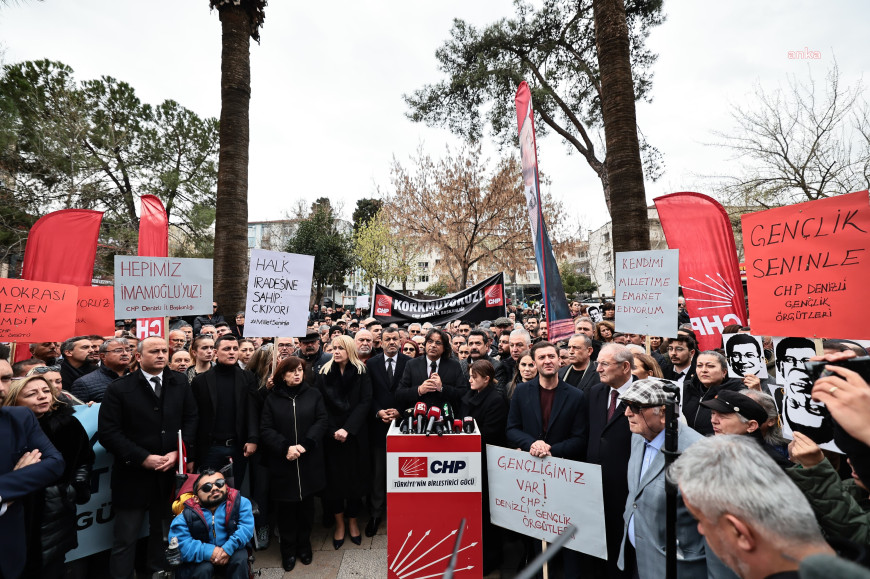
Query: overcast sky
{"type": "Point", "coordinates": [327, 114]}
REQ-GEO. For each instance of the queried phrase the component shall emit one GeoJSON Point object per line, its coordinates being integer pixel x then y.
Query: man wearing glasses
{"type": "Point", "coordinates": [115, 356]}
{"type": "Point", "coordinates": [610, 444]}
{"type": "Point", "coordinates": [799, 411]}
{"type": "Point", "coordinates": [213, 529]}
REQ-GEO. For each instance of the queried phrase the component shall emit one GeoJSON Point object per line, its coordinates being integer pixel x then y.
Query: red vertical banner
{"type": "Point", "coordinates": [560, 325]}
{"type": "Point", "coordinates": [698, 226]}
{"type": "Point", "coordinates": [153, 242]}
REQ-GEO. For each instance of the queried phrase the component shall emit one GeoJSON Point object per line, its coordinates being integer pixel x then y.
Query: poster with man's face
{"type": "Point", "coordinates": [745, 355]}
{"type": "Point", "coordinates": [797, 408]}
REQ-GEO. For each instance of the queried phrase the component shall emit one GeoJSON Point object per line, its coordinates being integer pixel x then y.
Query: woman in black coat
{"type": "Point", "coordinates": [347, 391]}
{"type": "Point", "coordinates": [52, 512]}
{"type": "Point", "coordinates": [292, 426]}
{"type": "Point", "coordinates": [490, 410]}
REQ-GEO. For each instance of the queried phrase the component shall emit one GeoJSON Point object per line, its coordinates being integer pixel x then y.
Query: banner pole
{"type": "Point", "coordinates": [274, 355]}
{"type": "Point", "coordinates": [647, 345]}
{"type": "Point", "coordinates": [546, 563]}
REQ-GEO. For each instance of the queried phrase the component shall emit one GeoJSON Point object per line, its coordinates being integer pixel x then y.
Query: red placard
{"type": "Point", "coordinates": [808, 268]}
{"type": "Point", "coordinates": [36, 311]}
{"type": "Point", "coordinates": [95, 311]}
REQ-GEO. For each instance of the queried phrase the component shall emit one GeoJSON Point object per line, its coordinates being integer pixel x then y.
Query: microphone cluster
{"type": "Point", "coordinates": [438, 420]}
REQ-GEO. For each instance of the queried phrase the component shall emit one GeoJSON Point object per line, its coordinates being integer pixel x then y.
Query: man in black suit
{"type": "Point", "coordinates": [229, 412]}
{"type": "Point", "coordinates": [610, 446]}
{"type": "Point", "coordinates": [478, 349]}
{"type": "Point", "coordinates": [28, 463]}
{"type": "Point", "coordinates": [433, 379]}
{"type": "Point", "coordinates": [386, 371]}
{"type": "Point", "coordinates": [140, 417]}
{"type": "Point", "coordinates": [580, 373]}
{"type": "Point", "coordinates": [547, 417]}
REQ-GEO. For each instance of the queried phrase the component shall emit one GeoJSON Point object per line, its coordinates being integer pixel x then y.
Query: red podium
{"type": "Point", "coordinates": [432, 483]}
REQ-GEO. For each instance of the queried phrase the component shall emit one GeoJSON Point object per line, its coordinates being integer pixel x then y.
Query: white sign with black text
{"type": "Point", "coordinates": [154, 287]}
{"type": "Point", "coordinates": [279, 291]}
{"type": "Point", "coordinates": [646, 292]}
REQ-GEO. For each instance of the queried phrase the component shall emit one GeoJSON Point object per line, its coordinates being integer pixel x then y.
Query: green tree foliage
{"type": "Point", "coordinates": [366, 210]}
{"type": "Point", "coordinates": [553, 48]}
{"type": "Point", "coordinates": [320, 235]}
{"type": "Point", "coordinates": [382, 252]}
{"type": "Point", "coordinates": [575, 283]}
{"type": "Point", "coordinates": [95, 145]}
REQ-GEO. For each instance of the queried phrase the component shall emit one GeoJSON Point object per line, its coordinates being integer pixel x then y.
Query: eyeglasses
{"type": "Point", "coordinates": [122, 350]}
{"type": "Point", "coordinates": [636, 408]}
{"type": "Point", "coordinates": [43, 370]}
{"type": "Point", "coordinates": [219, 483]}
{"type": "Point", "coordinates": [285, 346]}
{"type": "Point", "coordinates": [409, 349]}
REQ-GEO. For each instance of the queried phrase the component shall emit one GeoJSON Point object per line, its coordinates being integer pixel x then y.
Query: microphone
{"type": "Point", "coordinates": [457, 426]}
{"type": "Point", "coordinates": [440, 426]}
{"type": "Point", "coordinates": [447, 412]}
{"type": "Point", "coordinates": [419, 413]}
{"type": "Point", "coordinates": [468, 425]}
{"type": "Point", "coordinates": [405, 426]}
{"type": "Point", "coordinates": [434, 414]}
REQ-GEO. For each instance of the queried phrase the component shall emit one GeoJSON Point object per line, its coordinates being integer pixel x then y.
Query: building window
{"type": "Point", "coordinates": [251, 241]}
{"type": "Point", "coordinates": [423, 278]}
{"type": "Point", "coordinates": [423, 264]}
{"type": "Point", "coordinates": [608, 276]}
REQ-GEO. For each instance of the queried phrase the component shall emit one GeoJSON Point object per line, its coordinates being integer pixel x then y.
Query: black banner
{"type": "Point", "coordinates": [484, 301]}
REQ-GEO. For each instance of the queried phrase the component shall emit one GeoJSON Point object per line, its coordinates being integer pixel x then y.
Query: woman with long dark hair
{"type": "Point", "coordinates": [490, 410]}
{"type": "Point", "coordinates": [347, 391]}
{"type": "Point", "coordinates": [52, 511]}
{"type": "Point", "coordinates": [292, 426]}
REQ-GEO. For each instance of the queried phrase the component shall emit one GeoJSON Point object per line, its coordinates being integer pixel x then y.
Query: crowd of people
{"type": "Point", "coordinates": [272, 426]}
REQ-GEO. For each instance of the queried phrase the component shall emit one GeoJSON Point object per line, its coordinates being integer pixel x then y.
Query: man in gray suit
{"type": "Point", "coordinates": [643, 548]}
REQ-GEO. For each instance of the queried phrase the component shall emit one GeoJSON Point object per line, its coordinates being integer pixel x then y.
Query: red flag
{"type": "Point", "coordinates": [709, 272]}
{"type": "Point", "coordinates": [153, 242]}
{"type": "Point", "coordinates": [153, 228]}
{"type": "Point", "coordinates": [62, 246]}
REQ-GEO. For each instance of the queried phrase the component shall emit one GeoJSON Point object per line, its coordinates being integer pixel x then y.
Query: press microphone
{"type": "Point", "coordinates": [440, 426]}
{"type": "Point", "coordinates": [447, 412]}
{"type": "Point", "coordinates": [457, 426]}
{"type": "Point", "coordinates": [434, 414]}
{"type": "Point", "coordinates": [419, 413]}
{"type": "Point", "coordinates": [405, 426]}
{"type": "Point", "coordinates": [468, 425]}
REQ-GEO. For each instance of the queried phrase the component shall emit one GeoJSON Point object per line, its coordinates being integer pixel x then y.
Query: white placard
{"type": "Point", "coordinates": [362, 302]}
{"type": "Point", "coordinates": [153, 287]}
{"type": "Point", "coordinates": [647, 291]}
{"type": "Point", "coordinates": [745, 355]}
{"type": "Point", "coordinates": [540, 497]}
{"type": "Point", "coordinates": [279, 289]}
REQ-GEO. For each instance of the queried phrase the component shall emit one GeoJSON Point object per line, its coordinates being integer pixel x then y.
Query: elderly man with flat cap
{"type": "Point", "coordinates": [311, 350]}
{"type": "Point", "coordinates": [737, 413]}
{"type": "Point", "coordinates": [642, 553]}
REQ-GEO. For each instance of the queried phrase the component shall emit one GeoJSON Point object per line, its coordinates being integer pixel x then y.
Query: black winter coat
{"type": "Point", "coordinates": [698, 416]}
{"type": "Point", "coordinates": [56, 512]}
{"type": "Point", "coordinates": [348, 400]}
{"type": "Point", "coordinates": [294, 416]}
{"type": "Point", "coordinates": [489, 408]}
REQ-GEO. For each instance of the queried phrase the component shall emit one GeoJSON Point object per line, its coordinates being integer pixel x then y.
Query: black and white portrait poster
{"type": "Point", "coordinates": [745, 355]}
{"type": "Point", "coordinates": [793, 395]}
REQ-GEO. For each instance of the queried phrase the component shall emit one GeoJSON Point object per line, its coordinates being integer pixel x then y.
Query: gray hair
{"type": "Point", "coordinates": [732, 474]}
{"type": "Point", "coordinates": [521, 333]}
{"type": "Point", "coordinates": [719, 358]}
{"type": "Point", "coordinates": [583, 319]}
{"type": "Point", "coordinates": [104, 347]}
{"type": "Point", "coordinates": [620, 353]}
{"type": "Point", "coordinates": [415, 324]}
{"type": "Point", "coordinates": [587, 341]}
{"type": "Point", "coordinates": [773, 436]}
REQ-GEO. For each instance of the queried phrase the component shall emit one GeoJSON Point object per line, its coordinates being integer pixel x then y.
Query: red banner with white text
{"type": "Point", "coordinates": [153, 242]}
{"type": "Point", "coordinates": [698, 226]}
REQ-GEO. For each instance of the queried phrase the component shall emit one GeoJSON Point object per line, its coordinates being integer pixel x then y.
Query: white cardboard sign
{"type": "Point", "coordinates": [647, 291]}
{"type": "Point", "coordinates": [279, 289]}
{"type": "Point", "coordinates": [154, 287]}
{"type": "Point", "coordinates": [541, 497]}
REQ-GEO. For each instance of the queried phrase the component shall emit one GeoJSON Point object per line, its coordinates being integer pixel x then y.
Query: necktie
{"type": "Point", "coordinates": [157, 387]}
{"type": "Point", "coordinates": [611, 410]}
{"type": "Point", "coordinates": [390, 369]}
{"type": "Point", "coordinates": [433, 368]}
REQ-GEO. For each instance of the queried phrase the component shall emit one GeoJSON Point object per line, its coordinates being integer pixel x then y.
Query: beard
{"type": "Point", "coordinates": [209, 502]}
{"type": "Point", "coordinates": [821, 434]}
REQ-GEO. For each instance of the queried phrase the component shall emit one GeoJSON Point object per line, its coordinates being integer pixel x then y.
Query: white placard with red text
{"type": "Point", "coordinates": [540, 497]}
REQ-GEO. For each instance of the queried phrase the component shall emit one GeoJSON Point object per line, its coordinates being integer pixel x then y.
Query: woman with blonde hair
{"type": "Point", "coordinates": [202, 352]}
{"type": "Point", "coordinates": [347, 392]}
{"type": "Point", "coordinates": [53, 510]}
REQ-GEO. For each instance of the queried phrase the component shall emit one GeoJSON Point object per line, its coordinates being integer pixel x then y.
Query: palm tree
{"type": "Point", "coordinates": [240, 21]}
{"type": "Point", "coordinates": [623, 162]}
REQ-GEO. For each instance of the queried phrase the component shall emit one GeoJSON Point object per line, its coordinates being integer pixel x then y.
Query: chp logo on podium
{"type": "Point", "coordinates": [413, 466]}
{"type": "Point", "coordinates": [494, 295]}
{"type": "Point", "coordinates": [383, 305]}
